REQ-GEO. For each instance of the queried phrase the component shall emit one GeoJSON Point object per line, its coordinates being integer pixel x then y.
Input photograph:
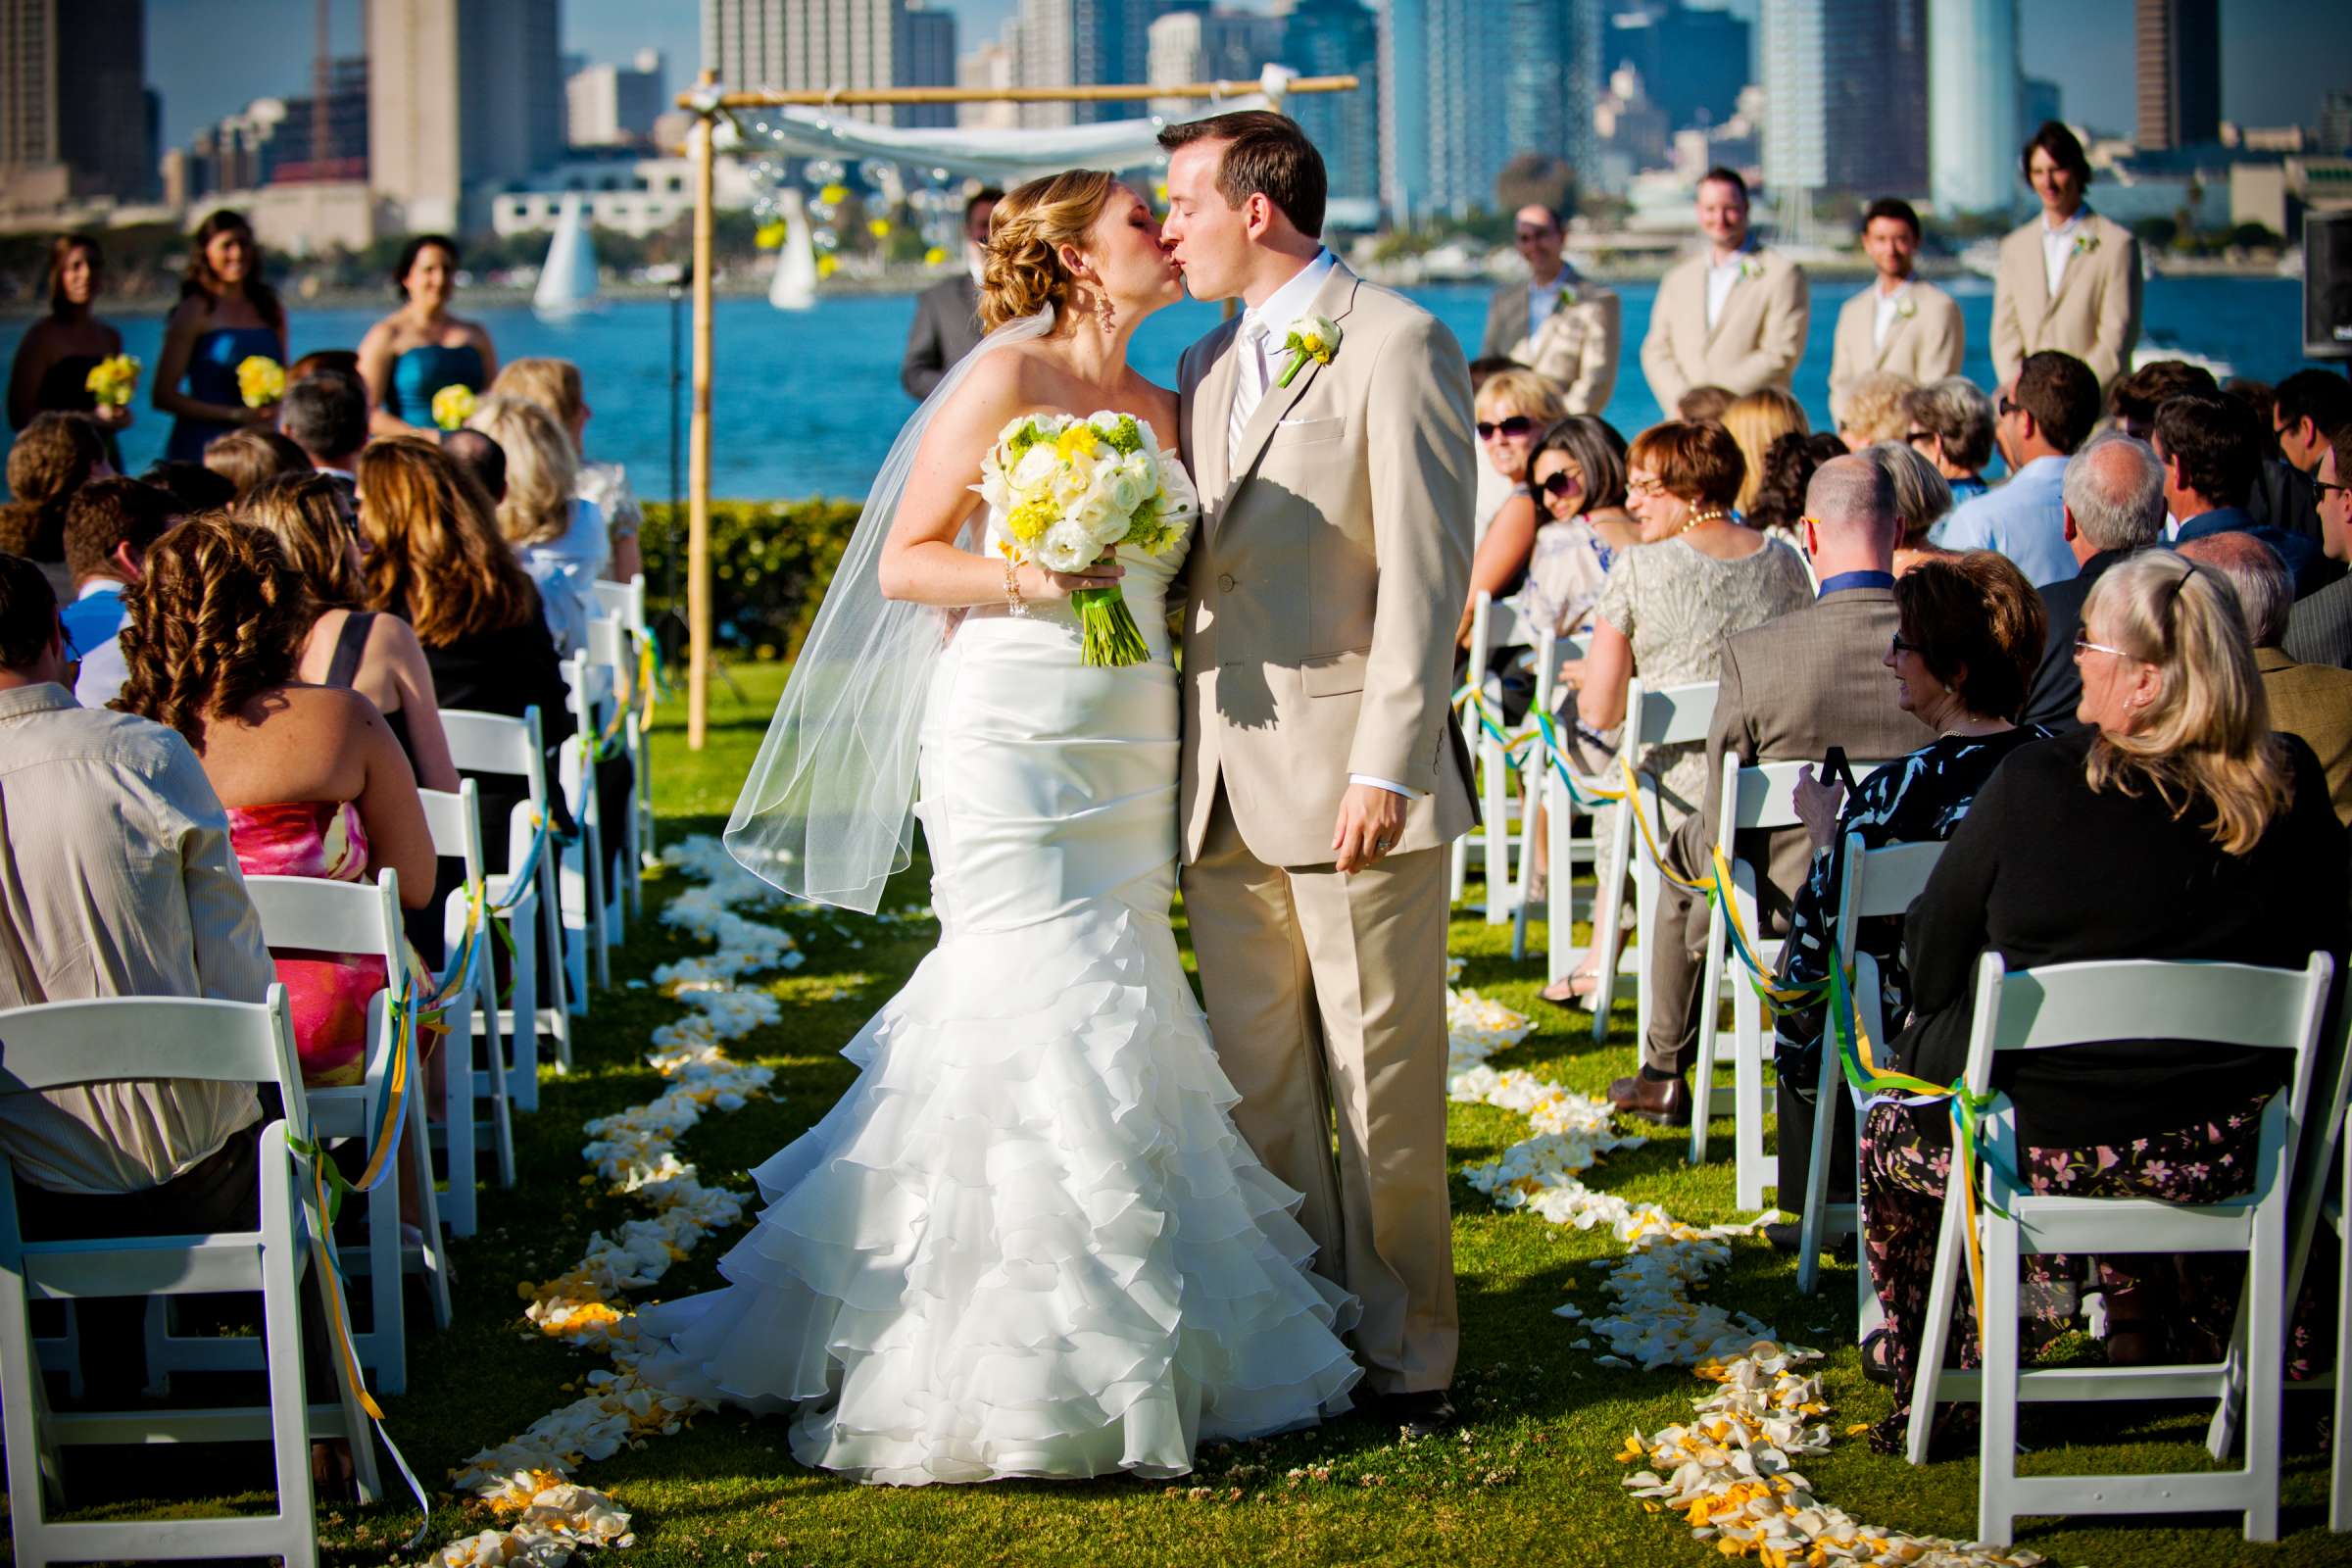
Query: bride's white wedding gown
{"type": "Point", "coordinates": [1028, 1241]}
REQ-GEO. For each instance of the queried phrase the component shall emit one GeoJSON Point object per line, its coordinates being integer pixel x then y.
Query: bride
{"type": "Point", "coordinates": [1028, 1241]}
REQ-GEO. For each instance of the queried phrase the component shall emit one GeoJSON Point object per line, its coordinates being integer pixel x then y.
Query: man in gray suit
{"type": "Point", "coordinates": [2320, 630]}
{"type": "Point", "coordinates": [1789, 690]}
{"type": "Point", "coordinates": [947, 314]}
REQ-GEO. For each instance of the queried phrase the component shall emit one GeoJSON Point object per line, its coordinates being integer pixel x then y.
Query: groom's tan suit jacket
{"type": "Point", "coordinates": [1329, 570]}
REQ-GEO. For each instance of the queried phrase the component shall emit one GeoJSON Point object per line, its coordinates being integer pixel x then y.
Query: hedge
{"type": "Point", "coordinates": [769, 563]}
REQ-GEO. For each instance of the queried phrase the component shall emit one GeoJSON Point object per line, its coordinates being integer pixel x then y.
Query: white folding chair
{"type": "Point", "coordinates": [1671, 716]}
{"type": "Point", "coordinates": [1494, 626]}
{"type": "Point", "coordinates": [1876, 883]}
{"type": "Point", "coordinates": [2340, 1429]}
{"type": "Point", "coordinates": [66, 1043]}
{"type": "Point", "coordinates": [313, 913]}
{"type": "Point", "coordinates": [610, 651]}
{"type": "Point", "coordinates": [477, 1066]}
{"type": "Point", "coordinates": [2075, 1003]}
{"type": "Point", "coordinates": [525, 894]}
{"type": "Point", "coordinates": [1543, 800]}
{"type": "Point", "coordinates": [580, 875]}
{"type": "Point", "coordinates": [627, 600]}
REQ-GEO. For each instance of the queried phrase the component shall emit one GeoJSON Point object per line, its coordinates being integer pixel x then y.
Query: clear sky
{"type": "Point", "coordinates": [210, 58]}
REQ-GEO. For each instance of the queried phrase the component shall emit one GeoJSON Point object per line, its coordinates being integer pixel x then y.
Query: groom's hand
{"type": "Point", "coordinates": [1371, 821]}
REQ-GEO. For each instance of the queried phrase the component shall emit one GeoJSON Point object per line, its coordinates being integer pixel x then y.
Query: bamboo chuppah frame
{"type": "Point", "coordinates": [707, 104]}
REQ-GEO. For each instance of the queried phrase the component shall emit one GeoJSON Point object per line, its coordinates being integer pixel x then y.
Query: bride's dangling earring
{"type": "Point", "coordinates": [1111, 318]}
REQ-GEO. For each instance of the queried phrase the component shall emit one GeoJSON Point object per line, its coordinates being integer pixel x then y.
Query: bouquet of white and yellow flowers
{"type": "Point", "coordinates": [113, 381]}
{"type": "Point", "coordinates": [261, 381]}
{"type": "Point", "coordinates": [453, 405]}
{"type": "Point", "coordinates": [1071, 490]}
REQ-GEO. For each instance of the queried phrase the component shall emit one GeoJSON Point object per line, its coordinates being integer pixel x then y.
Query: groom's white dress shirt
{"type": "Point", "coordinates": [1264, 329]}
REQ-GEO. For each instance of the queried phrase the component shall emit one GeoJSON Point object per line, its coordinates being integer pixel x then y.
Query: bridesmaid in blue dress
{"type": "Point", "coordinates": [420, 348]}
{"type": "Point", "coordinates": [227, 313]}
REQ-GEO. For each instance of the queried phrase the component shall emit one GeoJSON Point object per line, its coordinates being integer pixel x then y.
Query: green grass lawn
{"type": "Point", "coordinates": [1530, 1478]}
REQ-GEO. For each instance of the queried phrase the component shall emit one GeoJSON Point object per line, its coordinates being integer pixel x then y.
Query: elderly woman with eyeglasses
{"type": "Point", "coordinates": [1514, 408]}
{"type": "Point", "coordinates": [1697, 577]}
{"type": "Point", "coordinates": [2176, 825]}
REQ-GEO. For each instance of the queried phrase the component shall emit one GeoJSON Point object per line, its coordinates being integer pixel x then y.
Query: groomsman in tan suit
{"type": "Point", "coordinates": [1898, 323]}
{"type": "Point", "coordinates": [1328, 429]}
{"type": "Point", "coordinates": [1556, 322]}
{"type": "Point", "coordinates": [2069, 280]}
{"type": "Point", "coordinates": [1733, 316]}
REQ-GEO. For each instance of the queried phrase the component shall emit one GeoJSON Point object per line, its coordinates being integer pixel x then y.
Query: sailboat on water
{"type": "Point", "coordinates": [794, 286]}
{"type": "Point", "coordinates": [567, 280]}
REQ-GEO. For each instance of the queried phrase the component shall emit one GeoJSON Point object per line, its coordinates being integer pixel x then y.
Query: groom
{"type": "Point", "coordinates": [1323, 774]}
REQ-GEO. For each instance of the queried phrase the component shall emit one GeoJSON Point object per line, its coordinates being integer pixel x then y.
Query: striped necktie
{"type": "Point", "coordinates": [1248, 384]}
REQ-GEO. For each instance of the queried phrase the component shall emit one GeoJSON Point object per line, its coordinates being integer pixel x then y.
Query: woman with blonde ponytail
{"type": "Point", "coordinates": [1028, 1241]}
{"type": "Point", "coordinates": [2176, 825]}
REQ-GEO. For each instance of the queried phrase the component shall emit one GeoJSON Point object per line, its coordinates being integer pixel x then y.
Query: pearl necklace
{"type": "Point", "coordinates": [1697, 518]}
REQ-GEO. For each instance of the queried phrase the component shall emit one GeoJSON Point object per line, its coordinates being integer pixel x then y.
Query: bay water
{"type": "Point", "coordinates": [805, 403]}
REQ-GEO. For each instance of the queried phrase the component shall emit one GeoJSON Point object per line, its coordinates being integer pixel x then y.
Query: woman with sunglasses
{"type": "Point", "coordinates": [2176, 825]}
{"type": "Point", "coordinates": [1514, 408]}
{"type": "Point", "coordinates": [1578, 476]}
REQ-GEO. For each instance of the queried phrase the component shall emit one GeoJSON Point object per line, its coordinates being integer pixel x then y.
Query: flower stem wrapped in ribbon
{"type": "Point", "coordinates": [113, 381]}
{"type": "Point", "coordinates": [1314, 337]}
{"type": "Point", "coordinates": [1072, 490]}
{"type": "Point", "coordinates": [453, 406]}
{"type": "Point", "coordinates": [261, 381]}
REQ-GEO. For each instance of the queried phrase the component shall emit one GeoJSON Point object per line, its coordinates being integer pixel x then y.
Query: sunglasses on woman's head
{"type": "Point", "coordinates": [1518, 427]}
{"type": "Point", "coordinates": [1561, 485]}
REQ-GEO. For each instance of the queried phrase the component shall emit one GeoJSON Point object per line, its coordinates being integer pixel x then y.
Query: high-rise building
{"type": "Point", "coordinates": [2179, 55]}
{"type": "Point", "coordinates": [1845, 92]}
{"type": "Point", "coordinates": [2040, 100]}
{"type": "Point", "coordinates": [1449, 123]}
{"type": "Point", "coordinates": [1339, 38]}
{"type": "Point", "coordinates": [607, 105]}
{"type": "Point", "coordinates": [1191, 45]}
{"type": "Point", "coordinates": [1081, 43]}
{"type": "Point", "coordinates": [1404, 111]}
{"type": "Point", "coordinates": [1975, 105]}
{"type": "Point", "coordinates": [991, 66]}
{"type": "Point", "coordinates": [299, 153]}
{"type": "Point", "coordinates": [461, 93]}
{"type": "Point", "coordinates": [2335, 123]}
{"type": "Point", "coordinates": [1692, 62]}
{"type": "Point", "coordinates": [1551, 79]}
{"type": "Point", "coordinates": [814, 44]}
{"type": "Point", "coordinates": [73, 115]}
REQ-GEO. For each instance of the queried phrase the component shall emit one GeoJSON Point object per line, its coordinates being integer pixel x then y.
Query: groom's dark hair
{"type": "Point", "coordinates": [1266, 155]}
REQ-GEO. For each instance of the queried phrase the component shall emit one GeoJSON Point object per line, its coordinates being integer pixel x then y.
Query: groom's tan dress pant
{"type": "Point", "coordinates": [1327, 1001]}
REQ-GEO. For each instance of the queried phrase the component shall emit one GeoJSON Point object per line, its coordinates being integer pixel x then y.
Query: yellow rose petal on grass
{"type": "Point", "coordinates": [1857, 1428]}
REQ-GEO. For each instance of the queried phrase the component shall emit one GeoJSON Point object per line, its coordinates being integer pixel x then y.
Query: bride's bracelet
{"type": "Point", "coordinates": [1018, 606]}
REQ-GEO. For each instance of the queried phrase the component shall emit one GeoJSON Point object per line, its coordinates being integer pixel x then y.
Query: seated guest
{"type": "Point", "coordinates": [51, 458]}
{"type": "Point", "coordinates": [2043, 420]}
{"type": "Point", "coordinates": [2320, 630]}
{"type": "Point", "coordinates": [1969, 634]}
{"type": "Point", "coordinates": [480, 458]}
{"type": "Point", "coordinates": [2310, 701]}
{"type": "Point", "coordinates": [1757, 421]}
{"type": "Point", "coordinates": [314, 782]}
{"type": "Point", "coordinates": [192, 486]}
{"type": "Point", "coordinates": [1703, 405]}
{"type": "Point", "coordinates": [1697, 577]}
{"type": "Point", "coordinates": [117, 882]}
{"type": "Point", "coordinates": [554, 385]}
{"type": "Point", "coordinates": [2133, 402]}
{"type": "Point", "coordinates": [1874, 410]}
{"type": "Point", "coordinates": [1578, 474]}
{"type": "Point", "coordinates": [110, 526]}
{"type": "Point", "coordinates": [341, 362]}
{"type": "Point", "coordinates": [1922, 499]}
{"type": "Point", "coordinates": [1492, 488]}
{"type": "Point", "coordinates": [247, 457]}
{"type": "Point", "coordinates": [1788, 689]}
{"type": "Point", "coordinates": [558, 536]}
{"type": "Point", "coordinates": [1777, 506]}
{"type": "Point", "coordinates": [1514, 409]}
{"type": "Point", "coordinates": [2211, 450]}
{"type": "Point", "coordinates": [326, 415]}
{"type": "Point", "coordinates": [2304, 408]}
{"type": "Point", "coordinates": [2113, 494]}
{"type": "Point", "coordinates": [366, 651]}
{"type": "Point", "coordinates": [1952, 425]}
{"type": "Point", "coordinates": [2078, 849]}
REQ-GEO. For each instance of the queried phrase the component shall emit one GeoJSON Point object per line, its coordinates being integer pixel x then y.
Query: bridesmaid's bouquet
{"type": "Point", "coordinates": [261, 381]}
{"type": "Point", "coordinates": [1071, 489]}
{"type": "Point", "coordinates": [113, 381]}
{"type": "Point", "coordinates": [453, 406]}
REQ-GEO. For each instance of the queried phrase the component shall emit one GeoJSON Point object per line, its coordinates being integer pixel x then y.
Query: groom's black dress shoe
{"type": "Point", "coordinates": [1420, 1414]}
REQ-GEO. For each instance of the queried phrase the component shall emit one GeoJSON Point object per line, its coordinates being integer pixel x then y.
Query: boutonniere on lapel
{"type": "Point", "coordinates": [1565, 298]}
{"type": "Point", "coordinates": [1749, 266]}
{"type": "Point", "coordinates": [1906, 308]}
{"type": "Point", "coordinates": [2084, 244]}
{"type": "Point", "coordinates": [1316, 338]}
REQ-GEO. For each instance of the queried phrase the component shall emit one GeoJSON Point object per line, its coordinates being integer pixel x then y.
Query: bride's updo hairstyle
{"type": "Point", "coordinates": [1024, 274]}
